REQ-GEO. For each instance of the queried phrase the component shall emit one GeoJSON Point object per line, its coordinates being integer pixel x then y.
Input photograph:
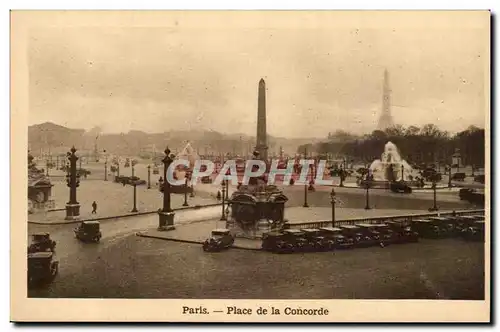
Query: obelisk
{"type": "Point", "coordinates": [385, 120]}
{"type": "Point", "coordinates": [261, 122]}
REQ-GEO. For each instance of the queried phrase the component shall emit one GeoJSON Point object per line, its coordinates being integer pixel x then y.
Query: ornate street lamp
{"type": "Point", "coordinates": [342, 176]}
{"type": "Point", "coordinates": [223, 216]}
{"type": "Point", "coordinates": [332, 201]}
{"type": "Point", "coordinates": [449, 177]}
{"type": "Point", "coordinates": [134, 184]}
{"type": "Point", "coordinates": [311, 182]}
{"type": "Point", "coordinates": [106, 170]}
{"type": "Point", "coordinates": [72, 181]}
{"type": "Point", "coordinates": [166, 214]}
{"type": "Point", "coordinates": [435, 207]}
{"type": "Point", "coordinates": [185, 192]}
{"type": "Point", "coordinates": [149, 176]}
{"type": "Point", "coordinates": [367, 187]}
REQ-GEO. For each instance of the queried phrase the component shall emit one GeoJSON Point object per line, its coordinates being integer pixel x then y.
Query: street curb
{"type": "Point", "coordinates": [188, 241]}
{"type": "Point", "coordinates": [195, 207]}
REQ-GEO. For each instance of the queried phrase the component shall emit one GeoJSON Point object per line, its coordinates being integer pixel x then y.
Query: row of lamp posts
{"type": "Point", "coordinates": [166, 214]}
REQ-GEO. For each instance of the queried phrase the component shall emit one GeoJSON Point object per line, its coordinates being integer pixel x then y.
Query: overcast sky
{"type": "Point", "coordinates": [320, 77]}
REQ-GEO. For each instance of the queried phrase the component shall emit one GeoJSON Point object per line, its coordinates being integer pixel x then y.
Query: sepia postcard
{"type": "Point", "coordinates": [250, 166]}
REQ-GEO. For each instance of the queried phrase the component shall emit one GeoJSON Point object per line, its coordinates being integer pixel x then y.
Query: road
{"type": "Point", "coordinates": [75, 255]}
{"type": "Point", "coordinates": [134, 267]}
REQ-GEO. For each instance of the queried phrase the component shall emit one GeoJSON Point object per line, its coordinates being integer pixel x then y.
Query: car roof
{"type": "Point", "coordinates": [421, 220]}
{"type": "Point", "coordinates": [40, 254]}
{"type": "Point", "coordinates": [220, 230]}
{"type": "Point", "coordinates": [349, 226]}
{"type": "Point", "coordinates": [479, 222]}
{"type": "Point", "coordinates": [310, 230]}
{"type": "Point", "coordinates": [40, 234]}
{"type": "Point", "coordinates": [366, 225]}
{"type": "Point", "coordinates": [330, 229]}
{"type": "Point", "coordinates": [438, 218]}
{"type": "Point", "coordinates": [91, 222]}
{"type": "Point", "coordinates": [292, 230]}
{"type": "Point", "coordinates": [274, 233]}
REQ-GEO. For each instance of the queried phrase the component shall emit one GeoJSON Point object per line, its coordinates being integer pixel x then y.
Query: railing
{"type": "Point", "coordinates": [378, 220]}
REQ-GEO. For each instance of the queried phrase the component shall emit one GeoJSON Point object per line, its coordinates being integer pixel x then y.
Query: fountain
{"type": "Point", "coordinates": [391, 167]}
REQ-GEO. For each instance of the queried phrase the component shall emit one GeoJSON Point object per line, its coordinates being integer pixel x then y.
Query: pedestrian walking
{"type": "Point", "coordinates": [94, 207]}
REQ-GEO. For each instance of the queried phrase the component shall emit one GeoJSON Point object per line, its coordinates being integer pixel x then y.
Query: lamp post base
{"type": "Point", "coordinates": [72, 211]}
{"type": "Point", "coordinates": [166, 221]}
{"type": "Point", "coordinates": [432, 209]}
{"type": "Point", "coordinates": [134, 210]}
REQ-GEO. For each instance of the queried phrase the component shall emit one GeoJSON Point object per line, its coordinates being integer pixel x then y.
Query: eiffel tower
{"type": "Point", "coordinates": [385, 121]}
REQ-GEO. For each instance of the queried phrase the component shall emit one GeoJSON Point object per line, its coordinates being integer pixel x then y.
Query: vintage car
{"type": "Point", "coordinates": [355, 233]}
{"type": "Point", "coordinates": [206, 179]}
{"type": "Point", "coordinates": [447, 225]}
{"type": "Point", "coordinates": [430, 174]}
{"type": "Point", "coordinates": [298, 240]}
{"type": "Point", "coordinates": [387, 235]}
{"type": "Point", "coordinates": [458, 177]}
{"type": "Point", "coordinates": [41, 242]}
{"type": "Point", "coordinates": [219, 239]}
{"type": "Point", "coordinates": [83, 172]}
{"type": "Point", "coordinates": [475, 232]}
{"type": "Point", "coordinates": [400, 187]}
{"type": "Point", "coordinates": [427, 228]}
{"type": "Point", "coordinates": [88, 231]}
{"type": "Point", "coordinates": [278, 242]}
{"type": "Point", "coordinates": [335, 239]}
{"type": "Point", "coordinates": [316, 241]}
{"type": "Point", "coordinates": [403, 233]}
{"type": "Point", "coordinates": [479, 178]}
{"type": "Point", "coordinates": [42, 267]}
{"type": "Point", "coordinates": [371, 234]}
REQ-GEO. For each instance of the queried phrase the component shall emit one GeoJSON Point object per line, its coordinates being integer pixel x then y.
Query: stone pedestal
{"type": "Point", "coordinates": [166, 221]}
{"type": "Point", "coordinates": [72, 211]}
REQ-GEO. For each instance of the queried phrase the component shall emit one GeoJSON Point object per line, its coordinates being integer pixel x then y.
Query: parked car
{"type": "Point", "coordinates": [277, 242]}
{"type": "Point", "coordinates": [219, 239]}
{"type": "Point", "coordinates": [400, 187]}
{"type": "Point", "coordinates": [41, 242]}
{"type": "Point", "coordinates": [371, 235]}
{"type": "Point", "coordinates": [88, 231]}
{"type": "Point", "coordinates": [335, 239]}
{"type": "Point", "coordinates": [475, 232]}
{"type": "Point", "coordinates": [206, 179]}
{"type": "Point", "coordinates": [426, 228]}
{"type": "Point", "coordinates": [446, 225]}
{"type": "Point", "coordinates": [458, 177]}
{"type": "Point", "coordinates": [387, 235]}
{"type": "Point", "coordinates": [297, 238]}
{"type": "Point", "coordinates": [404, 233]}
{"type": "Point", "coordinates": [354, 232]}
{"type": "Point", "coordinates": [479, 178]}
{"type": "Point", "coordinates": [316, 241]}
{"type": "Point", "coordinates": [42, 267]}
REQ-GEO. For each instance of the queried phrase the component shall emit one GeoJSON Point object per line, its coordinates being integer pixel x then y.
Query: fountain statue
{"type": "Point", "coordinates": [391, 167]}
